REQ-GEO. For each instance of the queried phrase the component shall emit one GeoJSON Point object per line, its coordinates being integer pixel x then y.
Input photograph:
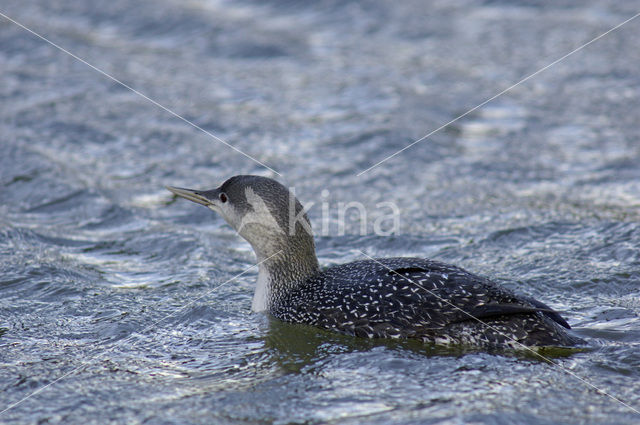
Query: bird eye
{"type": "Point", "coordinates": [223, 197]}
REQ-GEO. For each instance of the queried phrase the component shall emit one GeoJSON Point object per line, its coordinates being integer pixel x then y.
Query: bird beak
{"type": "Point", "coordinates": [202, 197]}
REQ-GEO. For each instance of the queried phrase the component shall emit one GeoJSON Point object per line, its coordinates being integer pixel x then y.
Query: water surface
{"type": "Point", "coordinates": [105, 276]}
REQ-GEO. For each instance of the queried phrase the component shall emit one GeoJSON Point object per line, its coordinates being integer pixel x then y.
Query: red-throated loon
{"type": "Point", "coordinates": [386, 298]}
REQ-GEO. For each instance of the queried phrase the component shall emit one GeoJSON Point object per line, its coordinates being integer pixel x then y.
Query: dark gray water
{"type": "Point", "coordinates": [103, 275]}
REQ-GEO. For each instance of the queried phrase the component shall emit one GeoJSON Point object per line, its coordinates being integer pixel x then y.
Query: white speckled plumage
{"type": "Point", "coordinates": [415, 298]}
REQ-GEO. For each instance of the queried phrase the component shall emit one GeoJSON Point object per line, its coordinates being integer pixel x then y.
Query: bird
{"type": "Point", "coordinates": [401, 297]}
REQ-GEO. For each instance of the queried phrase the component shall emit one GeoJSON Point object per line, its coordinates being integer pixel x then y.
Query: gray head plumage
{"type": "Point", "coordinates": [264, 202]}
{"type": "Point", "coordinates": [270, 218]}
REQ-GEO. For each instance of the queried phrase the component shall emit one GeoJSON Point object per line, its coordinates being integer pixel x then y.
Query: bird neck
{"type": "Point", "coordinates": [281, 272]}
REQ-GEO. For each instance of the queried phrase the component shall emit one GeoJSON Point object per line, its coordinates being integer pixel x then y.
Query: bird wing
{"type": "Point", "coordinates": [478, 297]}
{"type": "Point", "coordinates": [411, 293]}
